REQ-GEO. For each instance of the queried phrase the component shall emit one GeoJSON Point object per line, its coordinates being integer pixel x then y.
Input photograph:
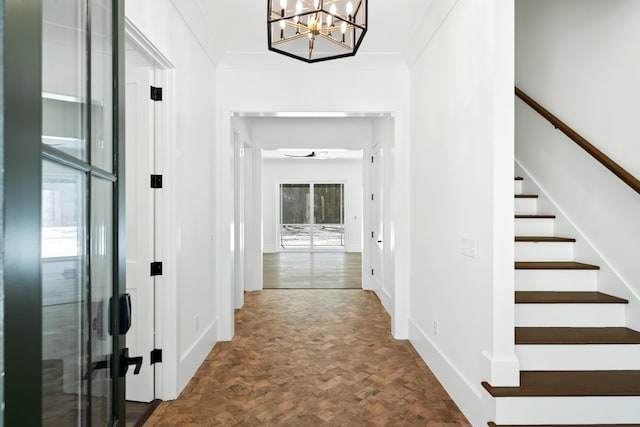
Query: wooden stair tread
{"type": "Point", "coordinates": [535, 216]}
{"type": "Point", "coordinates": [571, 336]}
{"type": "Point", "coordinates": [526, 196]}
{"type": "Point", "coordinates": [518, 178]}
{"type": "Point", "coordinates": [549, 239]}
{"type": "Point", "coordinates": [492, 424]}
{"type": "Point", "coordinates": [571, 383]}
{"type": "Point", "coordinates": [554, 265]}
{"type": "Point", "coordinates": [549, 297]}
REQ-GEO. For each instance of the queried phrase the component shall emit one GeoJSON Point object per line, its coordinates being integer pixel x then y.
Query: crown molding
{"type": "Point", "coordinates": [434, 16]}
{"type": "Point", "coordinates": [194, 17]}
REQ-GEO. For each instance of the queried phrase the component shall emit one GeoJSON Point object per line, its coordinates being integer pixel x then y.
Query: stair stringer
{"type": "Point", "coordinates": [609, 280]}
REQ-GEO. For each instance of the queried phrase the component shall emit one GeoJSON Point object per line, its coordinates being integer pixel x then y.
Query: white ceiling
{"type": "Point", "coordinates": [241, 26]}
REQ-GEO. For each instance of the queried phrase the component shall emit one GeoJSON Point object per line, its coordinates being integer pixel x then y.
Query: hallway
{"type": "Point", "coordinates": [312, 270]}
{"type": "Point", "coordinates": [307, 358]}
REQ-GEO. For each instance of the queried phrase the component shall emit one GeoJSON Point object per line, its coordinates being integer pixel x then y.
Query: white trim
{"type": "Point", "coordinates": [143, 45]}
{"type": "Point", "coordinates": [193, 357]}
{"type": "Point", "coordinates": [467, 395]}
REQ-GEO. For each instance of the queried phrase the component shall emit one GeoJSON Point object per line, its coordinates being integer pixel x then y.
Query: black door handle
{"type": "Point", "coordinates": [100, 364]}
{"type": "Point", "coordinates": [126, 361]}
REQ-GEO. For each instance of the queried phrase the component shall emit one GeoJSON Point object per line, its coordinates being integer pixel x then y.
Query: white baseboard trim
{"type": "Point", "coordinates": [193, 357]}
{"type": "Point", "coordinates": [467, 395]}
{"type": "Point", "coordinates": [386, 299]}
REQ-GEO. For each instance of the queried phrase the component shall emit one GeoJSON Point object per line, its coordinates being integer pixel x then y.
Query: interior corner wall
{"type": "Point", "coordinates": [461, 307]}
{"type": "Point", "coordinates": [347, 171]}
{"type": "Point", "coordinates": [573, 57]}
{"type": "Point", "coordinates": [191, 178]}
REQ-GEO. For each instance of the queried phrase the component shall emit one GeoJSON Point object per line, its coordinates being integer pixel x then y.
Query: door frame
{"type": "Point", "coordinates": [166, 291]}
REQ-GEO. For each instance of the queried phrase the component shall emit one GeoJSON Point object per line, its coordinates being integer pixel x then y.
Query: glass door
{"type": "Point", "coordinates": [312, 216]}
{"type": "Point", "coordinates": [78, 224]}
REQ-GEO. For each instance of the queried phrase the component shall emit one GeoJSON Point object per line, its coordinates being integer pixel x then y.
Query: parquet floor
{"type": "Point", "coordinates": [311, 358]}
{"type": "Point", "coordinates": [312, 270]}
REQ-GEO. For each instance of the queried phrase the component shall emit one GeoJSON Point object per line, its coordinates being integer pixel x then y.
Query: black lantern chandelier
{"type": "Point", "coordinates": [316, 30]}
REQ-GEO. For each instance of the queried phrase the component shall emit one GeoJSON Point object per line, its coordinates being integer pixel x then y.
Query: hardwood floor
{"type": "Point", "coordinates": [312, 270]}
{"type": "Point", "coordinates": [311, 358]}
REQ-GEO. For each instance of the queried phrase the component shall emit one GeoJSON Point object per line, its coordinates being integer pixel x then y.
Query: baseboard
{"type": "Point", "coordinates": [267, 249]}
{"type": "Point", "coordinates": [386, 299]}
{"type": "Point", "coordinates": [191, 359]}
{"type": "Point", "coordinates": [467, 395]}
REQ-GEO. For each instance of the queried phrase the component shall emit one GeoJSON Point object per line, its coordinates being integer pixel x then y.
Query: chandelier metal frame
{"type": "Point", "coordinates": [315, 19]}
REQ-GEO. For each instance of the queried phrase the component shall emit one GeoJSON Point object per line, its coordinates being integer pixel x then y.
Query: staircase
{"type": "Point", "coordinates": [579, 364]}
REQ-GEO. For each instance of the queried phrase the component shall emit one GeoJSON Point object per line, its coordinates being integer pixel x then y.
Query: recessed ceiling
{"type": "Point", "coordinates": [241, 25]}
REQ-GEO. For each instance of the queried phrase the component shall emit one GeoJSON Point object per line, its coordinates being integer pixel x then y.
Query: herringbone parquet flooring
{"type": "Point", "coordinates": [311, 358]}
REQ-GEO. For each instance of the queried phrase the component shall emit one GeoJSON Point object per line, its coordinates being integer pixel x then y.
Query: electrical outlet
{"type": "Point", "coordinates": [435, 327]}
{"type": "Point", "coordinates": [196, 322]}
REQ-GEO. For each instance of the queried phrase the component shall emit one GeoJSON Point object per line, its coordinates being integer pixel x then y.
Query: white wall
{"type": "Point", "coordinates": [574, 57]}
{"type": "Point", "coordinates": [461, 308]}
{"type": "Point", "coordinates": [357, 85]}
{"type": "Point", "coordinates": [277, 171]}
{"type": "Point", "coordinates": [188, 284]}
{"type": "Point", "coordinates": [317, 133]}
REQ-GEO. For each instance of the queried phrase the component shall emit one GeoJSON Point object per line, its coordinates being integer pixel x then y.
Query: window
{"type": "Point", "coordinates": [311, 216]}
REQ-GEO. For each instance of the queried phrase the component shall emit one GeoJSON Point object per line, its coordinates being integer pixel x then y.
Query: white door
{"type": "Point", "coordinates": [239, 219]}
{"type": "Point", "coordinates": [377, 230]}
{"type": "Point", "coordinates": [140, 226]}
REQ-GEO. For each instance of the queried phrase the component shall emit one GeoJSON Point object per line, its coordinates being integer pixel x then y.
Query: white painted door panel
{"type": "Point", "coordinates": [140, 228]}
{"type": "Point", "coordinates": [376, 238]}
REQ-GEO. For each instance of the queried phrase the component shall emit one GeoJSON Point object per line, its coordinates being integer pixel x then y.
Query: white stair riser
{"type": "Point", "coordinates": [568, 410]}
{"type": "Point", "coordinates": [526, 206]}
{"type": "Point", "coordinates": [518, 187]}
{"type": "Point", "coordinates": [601, 357]}
{"type": "Point", "coordinates": [534, 227]}
{"type": "Point", "coordinates": [556, 280]}
{"type": "Point", "coordinates": [570, 315]}
{"type": "Point", "coordinates": [544, 251]}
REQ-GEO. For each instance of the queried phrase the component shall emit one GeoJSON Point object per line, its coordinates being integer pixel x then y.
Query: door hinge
{"type": "Point", "coordinates": [372, 271]}
{"type": "Point", "coordinates": [371, 159]}
{"type": "Point", "coordinates": [372, 234]}
{"type": "Point", "coordinates": [371, 196]}
{"type": "Point", "coordinates": [156, 356]}
{"type": "Point", "coordinates": [156, 269]}
{"type": "Point", "coordinates": [156, 181]}
{"type": "Point", "coordinates": [156, 93]}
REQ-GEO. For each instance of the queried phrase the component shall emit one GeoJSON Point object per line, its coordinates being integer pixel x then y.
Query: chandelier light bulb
{"type": "Point", "coordinates": [349, 10]}
{"type": "Point", "coordinates": [299, 7]}
{"type": "Point", "coordinates": [329, 20]}
{"type": "Point", "coordinates": [343, 27]}
{"type": "Point", "coordinates": [282, 24]}
{"type": "Point", "coordinates": [296, 19]}
{"type": "Point", "coordinates": [316, 4]}
{"type": "Point", "coordinates": [333, 9]}
{"type": "Point", "coordinates": [283, 4]}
